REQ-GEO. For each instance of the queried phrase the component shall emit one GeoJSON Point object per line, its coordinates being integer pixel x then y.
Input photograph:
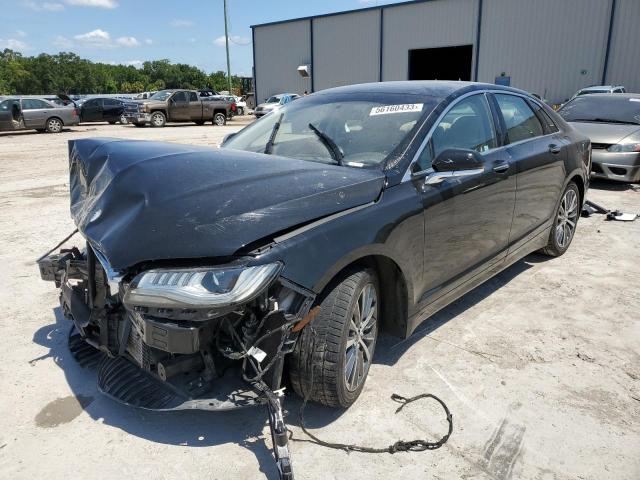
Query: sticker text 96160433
{"type": "Point", "coordinates": [402, 108]}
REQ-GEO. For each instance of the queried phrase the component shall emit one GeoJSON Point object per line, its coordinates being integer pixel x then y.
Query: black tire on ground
{"type": "Point", "coordinates": [40, 130]}
{"type": "Point", "coordinates": [54, 125]}
{"type": "Point", "coordinates": [219, 119]}
{"type": "Point", "coordinates": [565, 222]}
{"type": "Point", "coordinates": [158, 120]}
{"type": "Point", "coordinates": [240, 111]}
{"type": "Point", "coordinates": [139, 125]}
{"type": "Point", "coordinates": [199, 122]}
{"type": "Point", "coordinates": [123, 120]}
{"type": "Point", "coordinates": [328, 360]}
{"type": "Point", "coordinates": [112, 123]}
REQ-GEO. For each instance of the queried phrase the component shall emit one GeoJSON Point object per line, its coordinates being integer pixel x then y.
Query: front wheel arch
{"type": "Point", "coordinates": [394, 290]}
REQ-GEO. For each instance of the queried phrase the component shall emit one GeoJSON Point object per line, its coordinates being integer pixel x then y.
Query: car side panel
{"type": "Point", "coordinates": [392, 227]}
{"type": "Point", "coordinates": [34, 118]}
{"type": "Point", "coordinates": [540, 177]}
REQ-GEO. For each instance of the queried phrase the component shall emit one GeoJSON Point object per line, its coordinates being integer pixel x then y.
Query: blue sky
{"type": "Point", "coordinates": [132, 31]}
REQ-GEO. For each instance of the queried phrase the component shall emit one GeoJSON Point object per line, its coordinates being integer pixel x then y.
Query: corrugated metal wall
{"type": "Point", "coordinates": [346, 49]}
{"type": "Point", "coordinates": [442, 23]}
{"type": "Point", "coordinates": [550, 47]}
{"type": "Point", "coordinates": [279, 50]}
{"type": "Point", "coordinates": [624, 53]}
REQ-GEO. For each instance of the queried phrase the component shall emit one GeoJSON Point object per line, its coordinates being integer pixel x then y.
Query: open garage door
{"type": "Point", "coordinates": [445, 63]}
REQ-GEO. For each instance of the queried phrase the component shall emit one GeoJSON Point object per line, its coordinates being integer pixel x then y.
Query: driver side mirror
{"type": "Point", "coordinates": [455, 159]}
{"type": "Point", "coordinates": [455, 163]}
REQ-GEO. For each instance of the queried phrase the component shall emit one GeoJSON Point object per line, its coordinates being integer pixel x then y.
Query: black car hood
{"type": "Point", "coordinates": [137, 201]}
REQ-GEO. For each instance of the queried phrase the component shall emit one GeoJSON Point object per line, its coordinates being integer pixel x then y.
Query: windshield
{"type": "Point", "coordinates": [273, 99]}
{"type": "Point", "coordinates": [356, 130]}
{"type": "Point", "coordinates": [161, 95]}
{"type": "Point", "coordinates": [610, 108]}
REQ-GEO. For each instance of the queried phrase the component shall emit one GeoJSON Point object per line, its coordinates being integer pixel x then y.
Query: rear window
{"type": "Point", "coordinates": [606, 109]}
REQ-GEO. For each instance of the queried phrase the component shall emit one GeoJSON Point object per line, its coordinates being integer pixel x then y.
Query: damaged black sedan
{"type": "Point", "coordinates": [211, 278]}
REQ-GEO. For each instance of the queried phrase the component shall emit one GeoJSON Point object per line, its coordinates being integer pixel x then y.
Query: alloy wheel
{"type": "Point", "coordinates": [567, 218]}
{"type": "Point", "coordinates": [157, 120]}
{"type": "Point", "coordinates": [55, 125]}
{"type": "Point", "coordinates": [361, 338]}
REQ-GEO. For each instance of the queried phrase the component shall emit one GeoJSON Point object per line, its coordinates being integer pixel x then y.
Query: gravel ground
{"type": "Point", "coordinates": [540, 366]}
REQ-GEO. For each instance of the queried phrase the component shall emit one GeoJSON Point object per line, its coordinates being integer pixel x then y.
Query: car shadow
{"type": "Point", "coordinates": [243, 427]}
{"type": "Point", "coordinates": [612, 186]}
{"type": "Point", "coordinates": [390, 349]}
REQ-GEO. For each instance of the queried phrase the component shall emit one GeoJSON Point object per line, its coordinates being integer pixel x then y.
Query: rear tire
{"type": "Point", "coordinates": [54, 125]}
{"type": "Point", "coordinates": [338, 357]}
{"type": "Point", "coordinates": [219, 119]}
{"type": "Point", "coordinates": [158, 120]}
{"type": "Point", "coordinates": [565, 222]}
{"type": "Point", "coordinates": [240, 111]}
{"type": "Point", "coordinates": [112, 123]}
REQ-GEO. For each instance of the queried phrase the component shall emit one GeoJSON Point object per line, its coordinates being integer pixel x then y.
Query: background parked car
{"type": "Point", "coordinates": [36, 114]}
{"type": "Point", "coordinates": [101, 110]}
{"type": "Point", "coordinates": [612, 122]}
{"type": "Point", "coordinates": [274, 103]}
{"type": "Point", "coordinates": [599, 89]}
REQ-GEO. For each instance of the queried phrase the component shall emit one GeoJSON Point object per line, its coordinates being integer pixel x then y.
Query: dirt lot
{"type": "Point", "coordinates": [540, 366]}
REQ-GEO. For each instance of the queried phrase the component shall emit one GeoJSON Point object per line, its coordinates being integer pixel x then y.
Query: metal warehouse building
{"type": "Point", "coordinates": [549, 47]}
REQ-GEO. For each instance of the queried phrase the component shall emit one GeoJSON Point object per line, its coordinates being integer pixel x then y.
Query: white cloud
{"type": "Point", "coordinates": [13, 44]}
{"type": "Point", "coordinates": [132, 63]}
{"type": "Point", "coordinates": [237, 39]}
{"type": "Point", "coordinates": [148, 41]}
{"type": "Point", "coordinates": [52, 7]}
{"type": "Point", "coordinates": [98, 38]}
{"type": "Point", "coordinates": [48, 6]}
{"type": "Point", "coordinates": [109, 4]}
{"type": "Point", "coordinates": [62, 42]}
{"type": "Point", "coordinates": [21, 33]}
{"type": "Point", "coordinates": [95, 38]}
{"type": "Point", "coordinates": [128, 41]}
{"type": "Point", "coordinates": [178, 23]}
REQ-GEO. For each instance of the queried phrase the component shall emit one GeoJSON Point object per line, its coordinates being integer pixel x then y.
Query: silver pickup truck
{"type": "Point", "coordinates": [178, 106]}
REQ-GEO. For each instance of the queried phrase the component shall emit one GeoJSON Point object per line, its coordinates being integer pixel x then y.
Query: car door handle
{"type": "Point", "coordinates": [501, 167]}
{"type": "Point", "coordinates": [555, 149]}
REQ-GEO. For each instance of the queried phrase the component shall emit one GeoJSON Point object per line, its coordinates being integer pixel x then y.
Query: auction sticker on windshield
{"type": "Point", "coordinates": [403, 108]}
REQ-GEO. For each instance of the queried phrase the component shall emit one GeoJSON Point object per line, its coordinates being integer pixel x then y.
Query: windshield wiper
{"type": "Point", "coordinates": [326, 140]}
{"type": "Point", "coordinates": [604, 120]}
{"type": "Point", "coordinates": [268, 148]}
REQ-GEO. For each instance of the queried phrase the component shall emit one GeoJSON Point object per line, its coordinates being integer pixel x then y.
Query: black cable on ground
{"type": "Point", "coordinates": [399, 446]}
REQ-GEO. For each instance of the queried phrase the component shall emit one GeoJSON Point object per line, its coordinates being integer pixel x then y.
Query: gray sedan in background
{"type": "Point", "coordinates": [612, 122]}
{"type": "Point", "coordinates": [35, 114]}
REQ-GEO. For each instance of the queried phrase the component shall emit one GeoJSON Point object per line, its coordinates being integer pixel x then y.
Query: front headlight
{"type": "Point", "coordinates": [200, 287]}
{"type": "Point", "coordinates": [624, 147]}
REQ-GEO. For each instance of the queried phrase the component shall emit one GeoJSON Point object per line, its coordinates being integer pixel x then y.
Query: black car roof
{"type": "Point", "coordinates": [436, 88]}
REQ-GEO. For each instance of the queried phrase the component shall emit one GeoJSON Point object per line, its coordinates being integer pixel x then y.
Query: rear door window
{"type": "Point", "coordinates": [193, 97]}
{"type": "Point", "coordinates": [34, 104]}
{"type": "Point", "coordinates": [521, 122]}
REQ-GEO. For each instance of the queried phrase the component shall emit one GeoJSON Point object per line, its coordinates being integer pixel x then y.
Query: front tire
{"type": "Point", "coordinates": [339, 355]}
{"type": "Point", "coordinates": [565, 223]}
{"type": "Point", "coordinates": [54, 125]}
{"type": "Point", "coordinates": [158, 120]}
{"type": "Point", "coordinates": [240, 111]}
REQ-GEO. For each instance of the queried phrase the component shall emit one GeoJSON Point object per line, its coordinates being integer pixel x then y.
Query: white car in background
{"type": "Point", "coordinates": [241, 103]}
